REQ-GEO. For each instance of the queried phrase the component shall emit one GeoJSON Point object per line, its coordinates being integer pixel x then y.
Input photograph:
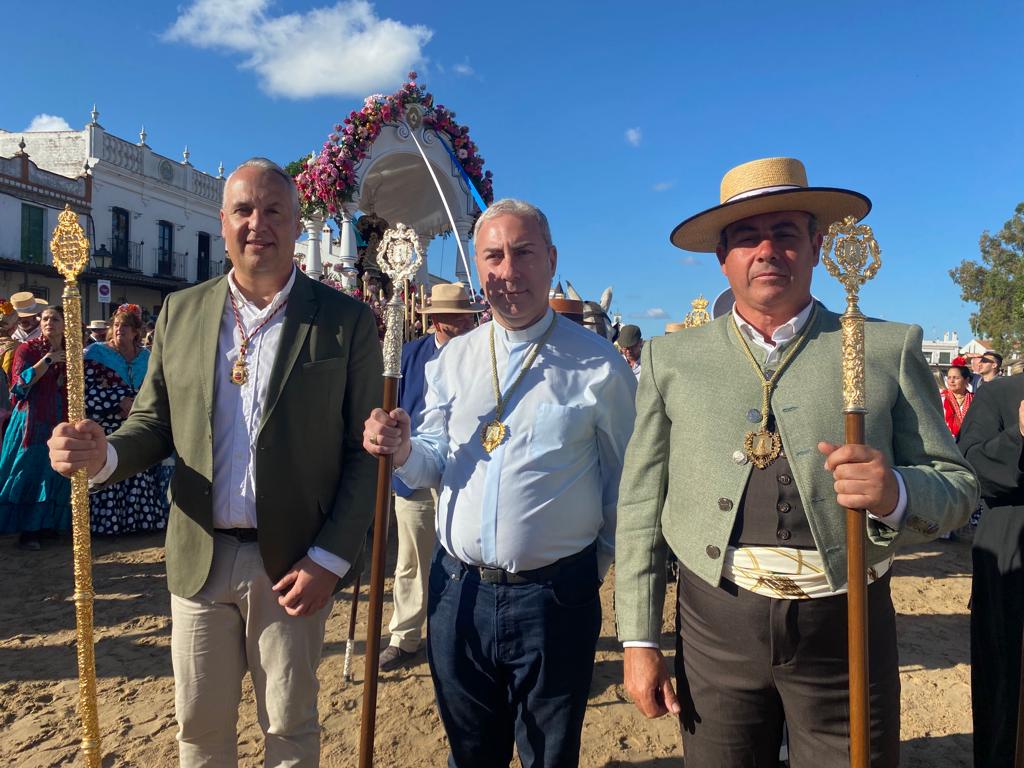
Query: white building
{"type": "Point", "coordinates": [940, 353]}
{"type": "Point", "coordinates": [153, 222]}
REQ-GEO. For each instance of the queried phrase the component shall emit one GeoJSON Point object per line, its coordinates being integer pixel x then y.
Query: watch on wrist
{"type": "Point", "coordinates": [48, 360]}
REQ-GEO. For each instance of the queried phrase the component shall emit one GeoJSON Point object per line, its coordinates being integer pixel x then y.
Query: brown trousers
{"type": "Point", "coordinates": [746, 663]}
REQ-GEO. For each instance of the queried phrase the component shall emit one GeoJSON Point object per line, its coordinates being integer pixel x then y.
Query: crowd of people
{"type": "Point", "coordinates": [530, 455]}
{"type": "Point", "coordinates": [35, 501]}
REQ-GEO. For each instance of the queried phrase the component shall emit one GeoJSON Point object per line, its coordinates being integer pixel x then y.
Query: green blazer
{"type": "Point", "coordinates": [314, 482]}
{"type": "Point", "coordinates": [696, 388]}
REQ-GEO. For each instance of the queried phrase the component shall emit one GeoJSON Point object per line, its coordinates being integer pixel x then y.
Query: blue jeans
{"type": "Point", "coordinates": [512, 662]}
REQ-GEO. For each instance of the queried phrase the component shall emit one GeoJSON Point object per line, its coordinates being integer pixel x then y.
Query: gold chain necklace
{"type": "Point", "coordinates": [763, 447]}
{"type": "Point", "coordinates": [494, 431]}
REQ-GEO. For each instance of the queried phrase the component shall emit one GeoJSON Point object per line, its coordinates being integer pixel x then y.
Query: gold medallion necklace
{"type": "Point", "coordinates": [494, 431]}
{"type": "Point", "coordinates": [764, 446]}
{"type": "Point", "coordinates": [240, 368]}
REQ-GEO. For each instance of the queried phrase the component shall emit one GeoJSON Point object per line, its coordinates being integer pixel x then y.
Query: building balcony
{"type": "Point", "coordinates": [170, 264]}
{"type": "Point", "coordinates": [125, 254]}
{"type": "Point", "coordinates": [205, 269]}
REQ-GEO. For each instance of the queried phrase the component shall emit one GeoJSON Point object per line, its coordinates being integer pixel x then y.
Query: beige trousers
{"type": "Point", "coordinates": [234, 624]}
{"type": "Point", "coordinates": [414, 516]}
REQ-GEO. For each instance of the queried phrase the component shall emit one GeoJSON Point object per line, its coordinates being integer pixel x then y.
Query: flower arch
{"type": "Point", "coordinates": [330, 178]}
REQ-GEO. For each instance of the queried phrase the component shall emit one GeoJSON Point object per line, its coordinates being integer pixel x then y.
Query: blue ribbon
{"type": "Point", "coordinates": [469, 182]}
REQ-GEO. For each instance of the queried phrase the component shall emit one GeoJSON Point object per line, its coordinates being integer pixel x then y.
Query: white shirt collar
{"type": "Point", "coordinates": [785, 332]}
{"type": "Point", "coordinates": [279, 298]}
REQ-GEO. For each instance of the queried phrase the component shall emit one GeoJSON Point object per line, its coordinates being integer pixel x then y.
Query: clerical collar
{"type": "Point", "coordinates": [782, 334]}
{"type": "Point", "coordinates": [529, 333]}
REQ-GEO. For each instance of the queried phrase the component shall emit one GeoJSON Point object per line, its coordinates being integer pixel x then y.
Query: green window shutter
{"type": "Point", "coordinates": [32, 245]}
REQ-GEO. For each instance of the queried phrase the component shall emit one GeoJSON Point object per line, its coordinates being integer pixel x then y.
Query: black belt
{"type": "Point", "coordinates": [244, 535]}
{"type": "Point", "coordinates": [490, 575]}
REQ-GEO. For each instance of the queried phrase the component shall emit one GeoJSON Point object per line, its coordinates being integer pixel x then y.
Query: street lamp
{"type": "Point", "coordinates": [101, 258]}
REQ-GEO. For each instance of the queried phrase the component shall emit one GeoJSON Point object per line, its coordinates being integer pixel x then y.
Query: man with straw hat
{"type": "Point", "coordinates": [749, 489]}
{"type": "Point", "coordinates": [452, 314]}
{"type": "Point", "coordinates": [28, 308]}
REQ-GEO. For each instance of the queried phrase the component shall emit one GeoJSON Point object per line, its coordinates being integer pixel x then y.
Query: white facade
{"type": "Point", "coordinates": [157, 217]}
{"type": "Point", "coordinates": [939, 353]}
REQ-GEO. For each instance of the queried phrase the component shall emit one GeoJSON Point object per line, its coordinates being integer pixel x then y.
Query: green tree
{"type": "Point", "coordinates": [996, 285]}
{"type": "Point", "coordinates": [295, 167]}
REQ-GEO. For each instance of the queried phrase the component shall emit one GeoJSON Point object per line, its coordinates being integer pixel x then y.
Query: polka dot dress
{"type": "Point", "coordinates": [140, 502]}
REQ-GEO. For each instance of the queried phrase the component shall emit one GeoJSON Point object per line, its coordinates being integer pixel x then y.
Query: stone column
{"type": "Point", "coordinates": [422, 273]}
{"type": "Point", "coordinates": [463, 227]}
{"type": "Point", "coordinates": [325, 243]}
{"type": "Point", "coordinates": [314, 266]}
{"type": "Point", "coordinates": [347, 251]}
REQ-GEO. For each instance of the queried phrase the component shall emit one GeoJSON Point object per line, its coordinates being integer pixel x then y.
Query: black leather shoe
{"type": "Point", "coordinates": [393, 657]}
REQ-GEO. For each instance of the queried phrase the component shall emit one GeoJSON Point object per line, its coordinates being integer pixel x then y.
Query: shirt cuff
{"type": "Point", "coordinates": [108, 469]}
{"type": "Point", "coordinates": [895, 518]}
{"type": "Point", "coordinates": [639, 644]}
{"type": "Point", "coordinates": [339, 566]}
{"type": "Point", "coordinates": [416, 465]}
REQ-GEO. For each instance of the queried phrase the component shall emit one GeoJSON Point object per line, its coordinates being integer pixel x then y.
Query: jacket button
{"type": "Point", "coordinates": [713, 552]}
{"type": "Point", "coordinates": [783, 534]}
{"type": "Point", "coordinates": [785, 479]}
{"type": "Point", "coordinates": [783, 507]}
{"type": "Point", "coordinates": [739, 457]}
{"type": "Point", "coordinates": [724, 504]}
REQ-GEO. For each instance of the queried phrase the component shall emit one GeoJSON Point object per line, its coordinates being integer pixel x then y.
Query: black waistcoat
{"type": "Point", "coordinates": [770, 513]}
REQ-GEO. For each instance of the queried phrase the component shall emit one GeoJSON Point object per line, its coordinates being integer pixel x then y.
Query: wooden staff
{"type": "Point", "coordinates": [399, 257]}
{"type": "Point", "coordinates": [70, 255]}
{"type": "Point", "coordinates": [857, 259]}
{"type": "Point", "coordinates": [346, 674]}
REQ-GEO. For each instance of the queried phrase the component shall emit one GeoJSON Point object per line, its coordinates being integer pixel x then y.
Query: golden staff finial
{"type": "Point", "coordinates": [70, 250]}
{"type": "Point", "coordinates": [698, 314]}
{"type": "Point", "coordinates": [857, 258]}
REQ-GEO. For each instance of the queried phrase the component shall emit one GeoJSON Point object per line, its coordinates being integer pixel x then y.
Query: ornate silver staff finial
{"type": "Point", "coordinates": [399, 257]}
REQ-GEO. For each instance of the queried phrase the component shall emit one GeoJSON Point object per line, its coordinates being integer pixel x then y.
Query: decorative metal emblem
{"type": "Point", "coordinates": [414, 116]}
{"type": "Point", "coordinates": [69, 246]}
{"type": "Point", "coordinates": [698, 314]}
{"type": "Point", "coordinates": [400, 258]}
{"type": "Point", "coordinates": [857, 258]}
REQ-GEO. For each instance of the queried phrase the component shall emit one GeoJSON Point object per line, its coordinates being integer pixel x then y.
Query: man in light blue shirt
{"type": "Point", "coordinates": [524, 430]}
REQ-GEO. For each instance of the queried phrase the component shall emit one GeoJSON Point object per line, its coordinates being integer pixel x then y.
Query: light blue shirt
{"type": "Point", "coordinates": [551, 488]}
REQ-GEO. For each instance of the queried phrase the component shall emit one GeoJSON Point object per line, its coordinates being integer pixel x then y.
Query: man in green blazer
{"type": "Point", "coordinates": [258, 381]}
{"type": "Point", "coordinates": [748, 488]}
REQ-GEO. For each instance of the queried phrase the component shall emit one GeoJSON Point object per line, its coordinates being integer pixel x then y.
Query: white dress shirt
{"type": "Point", "coordinates": [237, 411]}
{"type": "Point", "coordinates": [551, 487]}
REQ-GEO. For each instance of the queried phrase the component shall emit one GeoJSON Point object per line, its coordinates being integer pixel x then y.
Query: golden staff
{"type": "Point", "coordinates": [399, 257]}
{"type": "Point", "coordinates": [857, 259]}
{"type": "Point", "coordinates": [70, 255]}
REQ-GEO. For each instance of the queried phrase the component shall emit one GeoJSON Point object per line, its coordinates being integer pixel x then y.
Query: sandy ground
{"type": "Point", "coordinates": [38, 676]}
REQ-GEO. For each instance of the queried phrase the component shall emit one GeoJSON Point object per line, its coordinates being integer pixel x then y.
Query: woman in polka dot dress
{"type": "Point", "coordinates": [114, 371]}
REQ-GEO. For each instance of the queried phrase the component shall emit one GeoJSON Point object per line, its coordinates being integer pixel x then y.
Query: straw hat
{"type": "Point", "coordinates": [449, 299]}
{"type": "Point", "coordinates": [770, 185]}
{"type": "Point", "coordinates": [26, 304]}
{"type": "Point", "coordinates": [97, 325]}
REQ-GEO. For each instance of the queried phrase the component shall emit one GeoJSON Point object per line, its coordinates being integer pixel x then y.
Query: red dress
{"type": "Point", "coordinates": [954, 411]}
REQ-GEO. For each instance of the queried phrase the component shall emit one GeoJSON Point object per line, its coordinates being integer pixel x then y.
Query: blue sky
{"type": "Point", "coordinates": [617, 119]}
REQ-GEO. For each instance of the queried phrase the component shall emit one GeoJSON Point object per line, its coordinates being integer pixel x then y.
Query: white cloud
{"type": "Point", "coordinates": [656, 312]}
{"type": "Point", "coordinates": [689, 261]}
{"type": "Point", "coordinates": [45, 122]}
{"type": "Point", "coordinates": [662, 186]}
{"type": "Point", "coordinates": [343, 49]}
{"type": "Point", "coordinates": [634, 136]}
{"type": "Point", "coordinates": [464, 69]}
